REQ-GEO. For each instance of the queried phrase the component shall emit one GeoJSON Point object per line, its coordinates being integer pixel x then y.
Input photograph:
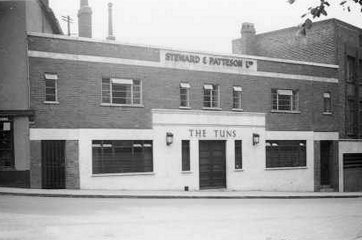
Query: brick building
{"type": "Point", "coordinates": [334, 42]}
{"type": "Point", "coordinates": [109, 115]}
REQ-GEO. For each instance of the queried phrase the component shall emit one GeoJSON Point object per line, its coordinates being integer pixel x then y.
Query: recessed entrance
{"type": "Point", "coordinates": [212, 164]}
{"type": "Point", "coordinates": [53, 164]}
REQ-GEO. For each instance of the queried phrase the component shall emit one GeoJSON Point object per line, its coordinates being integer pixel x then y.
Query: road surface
{"type": "Point", "coordinates": [181, 219]}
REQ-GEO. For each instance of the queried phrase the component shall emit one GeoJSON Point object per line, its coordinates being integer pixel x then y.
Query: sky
{"type": "Point", "coordinates": [195, 25]}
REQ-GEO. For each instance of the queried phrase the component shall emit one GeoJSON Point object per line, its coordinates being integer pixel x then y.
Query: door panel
{"type": "Point", "coordinates": [53, 164]}
{"type": "Point", "coordinates": [212, 164]}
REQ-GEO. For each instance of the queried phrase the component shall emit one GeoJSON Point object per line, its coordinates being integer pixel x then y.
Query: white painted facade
{"type": "Point", "coordinates": [167, 170]}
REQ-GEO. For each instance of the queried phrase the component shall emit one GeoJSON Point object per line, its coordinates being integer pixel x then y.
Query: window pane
{"type": "Point", "coordinates": [215, 96]}
{"type": "Point", "coordinates": [285, 154]}
{"type": "Point", "coordinates": [106, 90]}
{"type": "Point", "coordinates": [122, 156]}
{"type": "Point", "coordinates": [207, 98]}
{"type": "Point", "coordinates": [185, 155]}
{"type": "Point", "coordinates": [184, 97]}
{"type": "Point", "coordinates": [327, 102]}
{"type": "Point", "coordinates": [238, 154]}
{"type": "Point", "coordinates": [121, 93]}
{"type": "Point", "coordinates": [284, 102]}
{"type": "Point", "coordinates": [237, 99]}
{"type": "Point", "coordinates": [50, 90]}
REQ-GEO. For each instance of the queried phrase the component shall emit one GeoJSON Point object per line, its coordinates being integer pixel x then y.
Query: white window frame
{"type": "Point", "coordinates": [239, 91]}
{"type": "Point", "coordinates": [212, 88]}
{"type": "Point", "coordinates": [51, 77]}
{"type": "Point", "coordinates": [294, 101]}
{"type": "Point", "coordinates": [122, 81]}
{"type": "Point", "coordinates": [185, 86]}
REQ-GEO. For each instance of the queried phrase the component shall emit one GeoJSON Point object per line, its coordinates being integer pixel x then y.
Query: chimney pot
{"type": "Point", "coordinates": [85, 19]}
{"type": "Point", "coordinates": [110, 23]}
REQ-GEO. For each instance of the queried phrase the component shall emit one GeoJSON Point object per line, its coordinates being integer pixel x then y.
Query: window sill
{"type": "Point", "coordinates": [121, 174]}
{"type": "Point", "coordinates": [212, 109]}
{"type": "Point", "coordinates": [239, 170]}
{"type": "Point", "coordinates": [285, 168]}
{"type": "Point", "coordinates": [237, 109]}
{"type": "Point", "coordinates": [285, 111]}
{"type": "Point", "coordinates": [49, 102]}
{"type": "Point", "coordinates": [187, 172]}
{"type": "Point", "coordinates": [122, 105]}
{"type": "Point", "coordinates": [327, 113]}
{"type": "Point", "coordinates": [184, 108]}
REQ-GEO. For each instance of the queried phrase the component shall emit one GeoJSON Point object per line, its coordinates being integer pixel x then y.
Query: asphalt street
{"type": "Point", "coordinates": [40, 218]}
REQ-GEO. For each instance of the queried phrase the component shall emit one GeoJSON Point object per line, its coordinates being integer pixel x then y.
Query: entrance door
{"type": "Point", "coordinates": [53, 164]}
{"type": "Point", "coordinates": [6, 143]}
{"type": "Point", "coordinates": [212, 164]}
{"type": "Point", "coordinates": [325, 162]}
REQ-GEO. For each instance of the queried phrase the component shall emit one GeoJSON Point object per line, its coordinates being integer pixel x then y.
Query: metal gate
{"type": "Point", "coordinates": [53, 164]}
{"type": "Point", "coordinates": [212, 164]}
{"type": "Point", "coordinates": [352, 172]}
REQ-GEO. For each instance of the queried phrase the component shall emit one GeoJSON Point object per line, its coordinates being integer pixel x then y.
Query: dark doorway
{"type": "Point", "coordinates": [212, 164]}
{"type": "Point", "coordinates": [6, 144]}
{"type": "Point", "coordinates": [326, 156]}
{"type": "Point", "coordinates": [53, 164]}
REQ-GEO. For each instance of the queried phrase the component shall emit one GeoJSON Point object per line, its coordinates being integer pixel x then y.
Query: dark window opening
{"type": "Point", "coordinates": [122, 156]}
{"type": "Point", "coordinates": [238, 154]}
{"type": "Point", "coordinates": [186, 155]}
{"type": "Point", "coordinates": [285, 154]}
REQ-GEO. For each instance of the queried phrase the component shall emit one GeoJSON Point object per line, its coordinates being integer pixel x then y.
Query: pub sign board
{"type": "Point", "coordinates": [206, 62]}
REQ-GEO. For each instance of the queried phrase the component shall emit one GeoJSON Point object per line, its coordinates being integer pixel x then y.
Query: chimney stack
{"type": "Point", "coordinates": [245, 44]}
{"type": "Point", "coordinates": [247, 38]}
{"type": "Point", "coordinates": [110, 23]}
{"type": "Point", "coordinates": [85, 20]}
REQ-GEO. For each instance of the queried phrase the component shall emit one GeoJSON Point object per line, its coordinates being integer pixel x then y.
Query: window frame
{"type": "Point", "coordinates": [278, 156]}
{"type": "Point", "coordinates": [185, 86]}
{"type": "Point", "coordinates": [109, 91]}
{"type": "Point", "coordinates": [238, 161]}
{"type": "Point", "coordinates": [185, 159]}
{"type": "Point", "coordinates": [214, 90]}
{"type": "Point", "coordinates": [239, 91]}
{"type": "Point", "coordinates": [133, 161]}
{"type": "Point", "coordinates": [294, 100]}
{"type": "Point", "coordinates": [327, 103]}
{"type": "Point", "coordinates": [47, 78]}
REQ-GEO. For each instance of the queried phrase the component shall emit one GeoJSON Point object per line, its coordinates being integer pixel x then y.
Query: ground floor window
{"type": "Point", "coordinates": [6, 144]}
{"type": "Point", "coordinates": [122, 156]}
{"type": "Point", "coordinates": [238, 154]}
{"type": "Point", "coordinates": [185, 155]}
{"type": "Point", "coordinates": [285, 154]}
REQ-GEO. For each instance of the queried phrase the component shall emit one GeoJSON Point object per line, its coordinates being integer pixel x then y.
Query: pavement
{"type": "Point", "coordinates": [202, 194]}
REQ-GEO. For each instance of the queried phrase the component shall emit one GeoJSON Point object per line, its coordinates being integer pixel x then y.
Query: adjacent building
{"type": "Point", "coordinates": [334, 42]}
{"type": "Point", "coordinates": [109, 115]}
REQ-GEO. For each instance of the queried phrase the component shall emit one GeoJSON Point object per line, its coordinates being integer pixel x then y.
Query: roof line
{"type": "Point", "coordinates": [65, 37]}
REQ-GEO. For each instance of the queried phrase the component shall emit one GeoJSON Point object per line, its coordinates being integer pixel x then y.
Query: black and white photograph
{"type": "Point", "coordinates": [181, 119]}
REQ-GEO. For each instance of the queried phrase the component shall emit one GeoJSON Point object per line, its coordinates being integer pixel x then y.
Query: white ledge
{"type": "Point", "coordinates": [121, 174]}
{"type": "Point", "coordinates": [285, 168]}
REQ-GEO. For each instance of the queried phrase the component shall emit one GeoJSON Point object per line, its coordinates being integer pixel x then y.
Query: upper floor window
{"type": "Point", "coordinates": [284, 100]}
{"type": "Point", "coordinates": [184, 95]}
{"type": "Point", "coordinates": [121, 91]}
{"type": "Point", "coordinates": [211, 96]}
{"type": "Point", "coordinates": [327, 102]}
{"type": "Point", "coordinates": [351, 69]}
{"type": "Point", "coordinates": [237, 90]}
{"type": "Point", "coordinates": [51, 87]}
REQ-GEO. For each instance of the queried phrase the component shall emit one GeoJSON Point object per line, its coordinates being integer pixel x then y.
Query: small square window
{"type": "Point", "coordinates": [51, 87]}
